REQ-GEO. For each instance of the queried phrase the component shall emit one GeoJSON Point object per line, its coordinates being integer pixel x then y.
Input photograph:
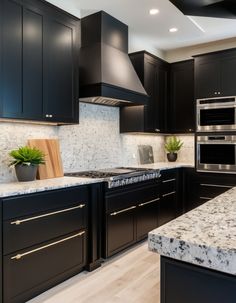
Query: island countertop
{"type": "Point", "coordinates": [205, 236]}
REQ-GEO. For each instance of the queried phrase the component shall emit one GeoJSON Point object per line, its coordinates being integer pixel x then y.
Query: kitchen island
{"type": "Point", "coordinates": [198, 253]}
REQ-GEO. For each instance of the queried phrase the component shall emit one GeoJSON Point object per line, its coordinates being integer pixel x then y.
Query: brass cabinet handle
{"type": "Point", "coordinates": [172, 193]}
{"type": "Point", "coordinates": [216, 185]}
{"type": "Point", "coordinates": [170, 180]}
{"type": "Point", "coordinates": [205, 198]}
{"type": "Point", "coordinates": [148, 202]}
{"type": "Point", "coordinates": [18, 222]}
{"type": "Point", "coordinates": [122, 211]}
{"type": "Point", "coordinates": [19, 256]}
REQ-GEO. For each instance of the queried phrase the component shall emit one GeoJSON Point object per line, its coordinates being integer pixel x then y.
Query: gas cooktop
{"type": "Point", "coordinates": [119, 176]}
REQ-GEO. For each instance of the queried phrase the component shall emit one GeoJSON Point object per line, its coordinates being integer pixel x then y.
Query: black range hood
{"type": "Point", "coordinates": [107, 75]}
{"type": "Point", "coordinates": [207, 8]}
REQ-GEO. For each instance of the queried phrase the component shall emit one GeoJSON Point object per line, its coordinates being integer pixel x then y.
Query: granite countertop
{"type": "Point", "coordinates": [21, 188]}
{"type": "Point", "coordinates": [205, 236]}
{"type": "Point", "coordinates": [164, 165]}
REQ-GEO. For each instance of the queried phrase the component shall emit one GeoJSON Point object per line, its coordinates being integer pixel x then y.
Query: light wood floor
{"type": "Point", "coordinates": [127, 278]}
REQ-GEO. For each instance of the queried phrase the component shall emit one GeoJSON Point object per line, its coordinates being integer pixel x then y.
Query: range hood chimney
{"type": "Point", "coordinates": [107, 75]}
{"type": "Point", "coordinates": [207, 8]}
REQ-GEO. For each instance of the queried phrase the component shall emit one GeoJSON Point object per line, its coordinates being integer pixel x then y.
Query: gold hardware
{"type": "Point", "coordinates": [172, 193]}
{"type": "Point", "coordinates": [18, 222]}
{"type": "Point", "coordinates": [149, 202]}
{"type": "Point", "coordinates": [122, 211]}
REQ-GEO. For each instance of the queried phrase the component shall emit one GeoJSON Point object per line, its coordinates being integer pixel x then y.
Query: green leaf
{"type": "Point", "coordinates": [173, 145]}
{"type": "Point", "coordinates": [27, 156]}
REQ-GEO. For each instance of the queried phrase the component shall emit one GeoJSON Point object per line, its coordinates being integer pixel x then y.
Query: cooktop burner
{"type": "Point", "coordinates": [119, 176]}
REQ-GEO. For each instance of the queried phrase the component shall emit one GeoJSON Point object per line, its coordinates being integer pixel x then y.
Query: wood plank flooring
{"type": "Point", "coordinates": [132, 276]}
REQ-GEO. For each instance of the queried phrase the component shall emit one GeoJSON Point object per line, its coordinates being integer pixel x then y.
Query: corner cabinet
{"type": "Point", "coordinates": [215, 74]}
{"type": "Point", "coordinates": [181, 108]}
{"type": "Point", "coordinates": [154, 75]}
{"type": "Point", "coordinates": [39, 62]}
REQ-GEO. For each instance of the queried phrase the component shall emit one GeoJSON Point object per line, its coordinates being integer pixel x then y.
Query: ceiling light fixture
{"type": "Point", "coordinates": [197, 25]}
{"type": "Point", "coordinates": [154, 11]}
{"type": "Point", "coordinates": [173, 30]}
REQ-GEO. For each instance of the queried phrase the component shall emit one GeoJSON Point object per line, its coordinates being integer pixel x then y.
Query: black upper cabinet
{"type": "Point", "coordinates": [181, 109]}
{"type": "Point", "coordinates": [39, 62]}
{"type": "Point", "coordinates": [215, 74]}
{"type": "Point", "coordinates": [153, 73]}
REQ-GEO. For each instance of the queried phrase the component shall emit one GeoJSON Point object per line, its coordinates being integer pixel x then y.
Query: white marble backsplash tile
{"type": "Point", "coordinates": [93, 144]}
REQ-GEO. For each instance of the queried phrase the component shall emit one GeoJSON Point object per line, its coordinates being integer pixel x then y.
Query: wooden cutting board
{"type": "Point", "coordinates": [53, 164]}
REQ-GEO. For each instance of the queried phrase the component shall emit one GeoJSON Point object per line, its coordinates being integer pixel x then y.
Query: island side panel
{"type": "Point", "coordinates": [183, 282]}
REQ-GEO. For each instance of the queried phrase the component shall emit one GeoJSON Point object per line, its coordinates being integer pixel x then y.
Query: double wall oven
{"type": "Point", "coordinates": [216, 135]}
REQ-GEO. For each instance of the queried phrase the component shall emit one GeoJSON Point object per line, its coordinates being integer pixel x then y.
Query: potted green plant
{"type": "Point", "coordinates": [26, 161]}
{"type": "Point", "coordinates": [173, 146]}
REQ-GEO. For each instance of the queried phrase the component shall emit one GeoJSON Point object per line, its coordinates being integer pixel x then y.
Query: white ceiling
{"type": "Point", "coordinates": [153, 31]}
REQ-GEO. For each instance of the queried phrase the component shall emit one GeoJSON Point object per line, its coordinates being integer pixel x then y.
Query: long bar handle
{"type": "Point", "coordinates": [205, 198]}
{"type": "Point", "coordinates": [19, 256]}
{"type": "Point", "coordinates": [148, 202]}
{"type": "Point", "coordinates": [170, 180]}
{"type": "Point", "coordinates": [172, 193]}
{"type": "Point", "coordinates": [18, 222]}
{"type": "Point", "coordinates": [216, 185]}
{"type": "Point", "coordinates": [122, 211]}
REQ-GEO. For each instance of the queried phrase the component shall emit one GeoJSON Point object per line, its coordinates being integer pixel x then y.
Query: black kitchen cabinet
{"type": "Point", "coordinates": [181, 107]}
{"type": "Point", "coordinates": [202, 187]}
{"type": "Point", "coordinates": [215, 74]}
{"type": "Point", "coordinates": [129, 214]}
{"type": "Point", "coordinates": [39, 62]}
{"type": "Point", "coordinates": [47, 230]}
{"type": "Point", "coordinates": [154, 75]}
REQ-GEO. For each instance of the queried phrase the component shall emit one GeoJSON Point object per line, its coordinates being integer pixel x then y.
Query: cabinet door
{"type": "Point", "coordinates": [120, 230]}
{"type": "Point", "coordinates": [11, 59]}
{"type": "Point", "coordinates": [207, 77]}
{"type": "Point", "coordinates": [228, 75]}
{"type": "Point", "coordinates": [147, 218]}
{"type": "Point", "coordinates": [32, 65]}
{"type": "Point", "coordinates": [182, 118]}
{"type": "Point", "coordinates": [59, 71]}
{"type": "Point", "coordinates": [167, 208]}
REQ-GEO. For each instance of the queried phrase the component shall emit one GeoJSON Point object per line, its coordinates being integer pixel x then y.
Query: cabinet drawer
{"type": "Point", "coordinates": [26, 205]}
{"type": "Point", "coordinates": [120, 230]}
{"type": "Point", "coordinates": [28, 231]}
{"type": "Point", "coordinates": [29, 272]}
{"type": "Point", "coordinates": [209, 191]}
{"type": "Point", "coordinates": [168, 186]}
{"type": "Point", "coordinates": [131, 198]}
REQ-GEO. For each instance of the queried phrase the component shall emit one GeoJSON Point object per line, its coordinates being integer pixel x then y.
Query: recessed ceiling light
{"type": "Point", "coordinates": [154, 11]}
{"type": "Point", "coordinates": [173, 30]}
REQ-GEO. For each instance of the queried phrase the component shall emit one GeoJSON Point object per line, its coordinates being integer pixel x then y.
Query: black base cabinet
{"type": "Point", "coordinates": [45, 240]}
{"type": "Point", "coordinates": [185, 283]}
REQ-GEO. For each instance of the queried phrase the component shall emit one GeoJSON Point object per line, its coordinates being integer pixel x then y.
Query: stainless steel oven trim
{"type": "Point", "coordinates": [208, 128]}
{"type": "Point", "coordinates": [215, 168]}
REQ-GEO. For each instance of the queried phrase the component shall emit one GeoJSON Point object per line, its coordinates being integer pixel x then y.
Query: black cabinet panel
{"type": "Point", "coordinates": [167, 208]}
{"type": "Point", "coordinates": [58, 71]}
{"type": "Point", "coordinates": [228, 74]}
{"type": "Point", "coordinates": [182, 114]}
{"type": "Point", "coordinates": [120, 231]}
{"type": "Point", "coordinates": [32, 64]}
{"type": "Point", "coordinates": [11, 54]}
{"type": "Point", "coordinates": [39, 269]}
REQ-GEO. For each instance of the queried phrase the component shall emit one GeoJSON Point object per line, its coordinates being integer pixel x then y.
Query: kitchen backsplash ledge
{"type": "Point", "coordinates": [95, 143]}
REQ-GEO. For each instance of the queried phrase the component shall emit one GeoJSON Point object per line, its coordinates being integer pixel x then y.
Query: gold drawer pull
{"type": "Point", "coordinates": [170, 180]}
{"type": "Point", "coordinates": [149, 202]}
{"type": "Point", "coordinates": [205, 198]}
{"type": "Point", "coordinates": [217, 185]}
{"type": "Point", "coordinates": [19, 256]}
{"type": "Point", "coordinates": [172, 193]}
{"type": "Point", "coordinates": [18, 222]}
{"type": "Point", "coordinates": [122, 211]}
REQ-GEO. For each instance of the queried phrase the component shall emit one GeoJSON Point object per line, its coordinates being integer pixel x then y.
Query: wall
{"type": "Point", "coordinates": [185, 53]}
{"type": "Point", "coordinates": [93, 144]}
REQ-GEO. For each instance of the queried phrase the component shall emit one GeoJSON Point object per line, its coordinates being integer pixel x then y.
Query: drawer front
{"type": "Point", "coordinates": [210, 191]}
{"type": "Point", "coordinates": [27, 205]}
{"type": "Point", "coordinates": [24, 232]}
{"type": "Point", "coordinates": [30, 272]}
{"type": "Point", "coordinates": [132, 198]}
{"type": "Point", "coordinates": [168, 181]}
{"type": "Point", "coordinates": [167, 209]}
{"type": "Point", "coordinates": [120, 230]}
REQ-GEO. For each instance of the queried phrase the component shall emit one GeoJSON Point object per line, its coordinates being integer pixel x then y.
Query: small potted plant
{"type": "Point", "coordinates": [26, 161]}
{"type": "Point", "coordinates": [173, 146]}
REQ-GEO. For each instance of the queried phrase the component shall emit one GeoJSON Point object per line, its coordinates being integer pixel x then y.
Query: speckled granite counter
{"type": "Point", "coordinates": [165, 165]}
{"type": "Point", "coordinates": [205, 236]}
{"type": "Point", "coordinates": [21, 188]}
